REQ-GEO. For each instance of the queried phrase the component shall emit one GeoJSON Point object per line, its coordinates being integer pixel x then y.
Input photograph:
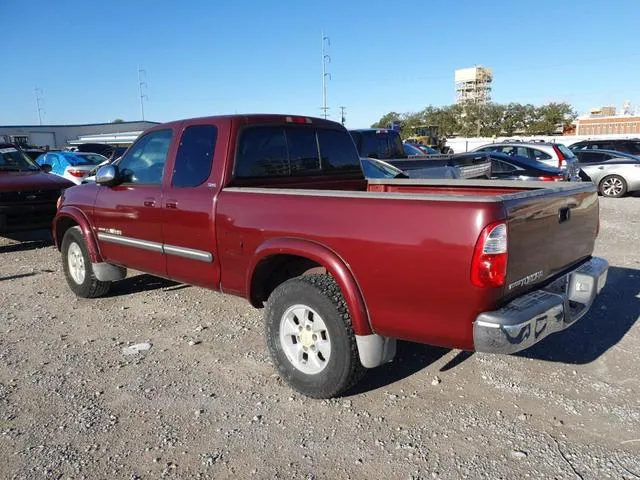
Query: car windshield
{"type": "Point", "coordinates": [13, 160]}
{"type": "Point", "coordinates": [85, 159]}
{"type": "Point", "coordinates": [377, 169]}
{"type": "Point", "coordinates": [412, 150]}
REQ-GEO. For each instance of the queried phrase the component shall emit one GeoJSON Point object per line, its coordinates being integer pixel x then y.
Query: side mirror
{"type": "Point", "coordinates": [46, 168]}
{"type": "Point", "coordinates": [107, 175]}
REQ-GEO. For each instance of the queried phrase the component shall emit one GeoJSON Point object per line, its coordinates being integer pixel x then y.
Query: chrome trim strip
{"type": "Point", "coordinates": [189, 253]}
{"type": "Point", "coordinates": [130, 242]}
{"type": "Point", "coordinates": [184, 252]}
{"type": "Point", "coordinates": [521, 189]}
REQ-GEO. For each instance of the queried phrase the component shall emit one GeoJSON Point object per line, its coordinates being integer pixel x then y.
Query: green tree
{"type": "Point", "coordinates": [386, 119]}
{"type": "Point", "coordinates": [118, 120]}
{"type": "Point", "coordinates": [550, 118]}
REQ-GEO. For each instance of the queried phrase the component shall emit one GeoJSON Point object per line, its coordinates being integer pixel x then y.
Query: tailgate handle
{"type": "Point", "coordinates": [564, 214]}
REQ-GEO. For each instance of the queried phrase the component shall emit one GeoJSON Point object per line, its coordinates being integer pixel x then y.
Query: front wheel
{"type": "Point", "coordinates": [77, 266]}
{"type": "Point", "coordinates": [310, 337]}
{"type": "Point", "coordinates": [613, 186]}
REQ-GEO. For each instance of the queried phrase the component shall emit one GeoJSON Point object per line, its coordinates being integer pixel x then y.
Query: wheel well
{"type": "Point", "coordinates": [277, 269]}
{"type": "Point", "coordinates": [64, 224]}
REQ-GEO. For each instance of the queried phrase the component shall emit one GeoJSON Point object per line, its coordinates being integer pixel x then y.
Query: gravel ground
{"type": "Point", "coordinates": [204, 402]}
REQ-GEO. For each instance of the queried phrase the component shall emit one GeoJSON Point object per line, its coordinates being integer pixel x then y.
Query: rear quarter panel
{"type": "Point", "coordinates": [410, 258]}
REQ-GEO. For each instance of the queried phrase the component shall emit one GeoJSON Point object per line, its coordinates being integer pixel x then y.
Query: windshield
{"type": "Point", "coordinates": [376, 169]}
{"type": "Point", "coordinates": [85, 159]}
{"type": "Point", "coordinates": [412, 150]}
{"type": "Point", "coordinates": [13, 160]}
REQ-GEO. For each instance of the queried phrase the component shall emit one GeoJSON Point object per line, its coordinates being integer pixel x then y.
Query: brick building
{"type": "Point", "coordinates": [608, 125]}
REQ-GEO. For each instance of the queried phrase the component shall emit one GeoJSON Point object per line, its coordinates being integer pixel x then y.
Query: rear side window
{"type": "Point", "coordinates": [539, 154]}
{"type": "Point", "coordinates": [195, 156]}
{"type": "Point", "coordinates": [633, 148]}
{"type": "Point", "coordinates": [499, 166]}
{"type": "Point", "coordinates": [337, 151]}
{"type": "Point", "coordinates": [262, 153]}
{"type": "Point", "coordinates": [294, 151]}
{"type": "Point", "coordinates": [591, 157]}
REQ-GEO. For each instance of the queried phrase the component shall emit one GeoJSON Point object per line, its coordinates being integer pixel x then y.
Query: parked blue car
{"type": "Point", "coordinates": [73, 166]}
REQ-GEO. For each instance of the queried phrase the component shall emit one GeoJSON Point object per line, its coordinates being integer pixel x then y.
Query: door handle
{"type": "Point", "coordinates": [171, 204]}
{"type": "Point", "coordinates": [149, 202]}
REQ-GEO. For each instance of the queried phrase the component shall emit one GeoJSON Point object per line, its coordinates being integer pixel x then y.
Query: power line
{"type": "Point", "coordinates": [141, 85]}
{"type": "Point", "coordinates": [325, 59]}
{"type": "Point", "coordinates": [39, 102]}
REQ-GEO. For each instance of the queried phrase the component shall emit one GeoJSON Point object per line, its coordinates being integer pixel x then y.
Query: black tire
{"type": "Point", "coordinates": [322, 294]}
{"type": "Point", "coordinates": [613, 194]}
{"type": "Point", "coordinates": [90, 287]}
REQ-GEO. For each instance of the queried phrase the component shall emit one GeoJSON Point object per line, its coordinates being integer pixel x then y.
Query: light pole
{"type": "Point", "coordinates": [142, 85]}
{"type": "Point", "coordinates": [39, 101]}
{"type": "Point", "coordinates": [325, 60]}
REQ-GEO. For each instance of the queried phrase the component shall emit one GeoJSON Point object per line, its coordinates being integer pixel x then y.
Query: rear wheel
{"type": "Point", "coordinates": [77, 266]}
{"type": "Point", "coordinates": [613, 186]}
{"type": "Point", "coordinates": [310, 337]}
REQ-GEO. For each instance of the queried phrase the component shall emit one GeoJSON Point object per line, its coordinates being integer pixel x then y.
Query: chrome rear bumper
{"type": "Point", "coordinates": [530, 318]}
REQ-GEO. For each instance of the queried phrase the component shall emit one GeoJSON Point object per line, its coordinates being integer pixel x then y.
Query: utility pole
{"type": "Point", "coordinates": [325, 59]}
{"type": "Point", "coordinates": [141, 85]}
{"type": "Point", "coordinates": [39, 102]}
{"type": "Point", "coordinates": [342, 117]}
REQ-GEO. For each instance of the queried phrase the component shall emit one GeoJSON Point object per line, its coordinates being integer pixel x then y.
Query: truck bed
{"type": "Point", "coordinates": [404, 239]}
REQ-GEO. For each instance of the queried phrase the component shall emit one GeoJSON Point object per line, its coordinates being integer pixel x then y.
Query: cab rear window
{"type": "Point", "coordinates": [291, 151]}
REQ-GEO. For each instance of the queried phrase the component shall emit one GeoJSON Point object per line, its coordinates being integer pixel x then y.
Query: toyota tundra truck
{"type": "Point", "coordinates": [275, 209]}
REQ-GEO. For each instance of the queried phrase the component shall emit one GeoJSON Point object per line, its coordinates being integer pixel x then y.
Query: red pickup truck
{"type": "Point", "coordinates": [275, 209]}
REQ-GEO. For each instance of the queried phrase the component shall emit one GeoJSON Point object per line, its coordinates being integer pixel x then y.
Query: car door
{"type": "Point", "coordinates": [188, 206]}
{"type": "Point", "coordinates": [589, 162]}
{"type": "Point", "coordinates": [128, 216]}
{"type": "Point", "coordinates": [503, 170]}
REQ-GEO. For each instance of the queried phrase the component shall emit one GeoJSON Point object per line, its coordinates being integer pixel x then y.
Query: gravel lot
{"type": "Point", "coordinates": [204, 402]}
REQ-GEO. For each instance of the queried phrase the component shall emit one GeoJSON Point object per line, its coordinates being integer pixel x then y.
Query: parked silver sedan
{"type": "Point", "coordinates": [615, 173]}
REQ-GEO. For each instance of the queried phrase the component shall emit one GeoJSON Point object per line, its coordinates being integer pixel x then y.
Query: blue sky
{"type": "Point", "coordinates": [215, 57]}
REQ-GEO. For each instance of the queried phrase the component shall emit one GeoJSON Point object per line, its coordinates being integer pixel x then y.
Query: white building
{"type": "Point", "coordinates": [61, 136]}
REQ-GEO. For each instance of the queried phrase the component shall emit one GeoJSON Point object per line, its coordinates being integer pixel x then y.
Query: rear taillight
{"type": "Point", "coordinates": [560, 156]}
{"type": "Point", "coordinates": [489, 263]}
{"type": "Point", "coordinates": [551, 178]}
{"type": "Point", "coordinates": [76, 173]}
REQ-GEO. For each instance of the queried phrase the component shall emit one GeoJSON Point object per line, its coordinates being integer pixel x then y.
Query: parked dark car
{"type": "Point", "coordinates": [28, 195]}
{"type": "Point", "coordinates": [111, 152]}
{"type": "Point", "coordinates": [631, 146]}
{"type": "Point", "coordinates": [385, 144]}
{"type": "Point", "coordinates": [517, 167]}
{"type": "Point", "coordinates": [615, 173]}
{"type": "Point", "coordinates": [373, 169]}
{"type": "Point", "coordinates": [412, 150]}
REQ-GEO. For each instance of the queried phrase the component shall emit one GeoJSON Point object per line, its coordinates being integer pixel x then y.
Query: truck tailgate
{"type": "Point", "coordinates": [548, 233]}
